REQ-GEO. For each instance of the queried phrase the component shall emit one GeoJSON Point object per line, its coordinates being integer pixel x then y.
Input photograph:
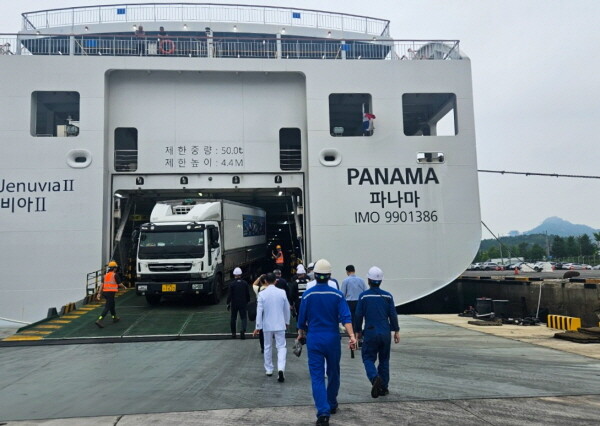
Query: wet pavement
{"type": "Point", "coordinates": [441, 374]}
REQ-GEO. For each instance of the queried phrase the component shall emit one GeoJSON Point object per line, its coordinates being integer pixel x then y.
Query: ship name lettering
{"type": "Point", "coordinates": [387, 176]}
{"type": "Point", "coordinates": [66, 185]}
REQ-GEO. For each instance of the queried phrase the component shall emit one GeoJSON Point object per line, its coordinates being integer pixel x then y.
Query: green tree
{"type": "Point", "coordinates": [524, 250]}
{"type": "Point", "coordinates": [559, 248]}
{"type": "Point", "coordinates": [585, 245]}
{"type": "Point", "coordinates": [537, 252]}
{"type": "Point", "coordinates": [597, 238]}
{"type": "Point", "coordinates": [571, 246]}
{"type": "Point", "coordinates": [493, 253]}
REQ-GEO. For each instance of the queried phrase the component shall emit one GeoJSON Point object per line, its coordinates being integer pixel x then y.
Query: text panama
{"type": "Point", "coordinates": [388, 176]}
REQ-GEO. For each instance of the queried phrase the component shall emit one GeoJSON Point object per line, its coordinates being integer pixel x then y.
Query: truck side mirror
{"type": "Point", "coordinates": [135, 235]}
{"type": "Point", "coordinates": [215, 245]}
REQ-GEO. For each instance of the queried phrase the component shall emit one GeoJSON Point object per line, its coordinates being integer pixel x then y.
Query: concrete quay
{"type": "Point", "coordinates": [443, 373]}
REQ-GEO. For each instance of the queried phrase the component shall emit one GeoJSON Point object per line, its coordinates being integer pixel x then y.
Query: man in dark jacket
{"type": "Point", "coordinates": [237, 301]}
{"type": "Point", "coordinates": [282, 284]}
{"type": "Point", "coordinates": [378, 310]}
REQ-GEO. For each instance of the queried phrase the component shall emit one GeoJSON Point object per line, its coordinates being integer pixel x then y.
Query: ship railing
{"type": "Point", "coordinates": [93, 281]}
{"type": "Point", "coordinates": [205, 13]}
{"type": "Point", "coordinates": [126, 160]}
{"type": "Point", "coordinates": [225, 47]}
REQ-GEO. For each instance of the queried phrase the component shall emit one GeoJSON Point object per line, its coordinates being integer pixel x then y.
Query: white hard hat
{"type": "Point", "coordinates": [322, 267]}
{"type": "Point", "coordinates": [300, 269]}
{"type": "Point", "coordinates": [375, 274]}
{"type": "Point", "coordinates": [237, 271]}
{"type": "Point", "coordinates": [311, 265]}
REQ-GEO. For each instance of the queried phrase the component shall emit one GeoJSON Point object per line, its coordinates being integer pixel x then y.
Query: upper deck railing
{"type": "Point", "coordinates": [203, 12]}
{"type": "Point", "coordinates": [226, 47]}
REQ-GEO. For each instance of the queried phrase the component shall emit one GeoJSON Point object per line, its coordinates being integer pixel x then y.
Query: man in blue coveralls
{"type": "Point", "coordinates": [321, 311]}
{"type": "Point", "coordinates": [378, 310]}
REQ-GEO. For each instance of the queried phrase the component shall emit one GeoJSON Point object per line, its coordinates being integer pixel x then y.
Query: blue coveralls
{"type": "Point", "coordinates": [377, 308]}
{"type": "Point", "coordinates": [321, 310]}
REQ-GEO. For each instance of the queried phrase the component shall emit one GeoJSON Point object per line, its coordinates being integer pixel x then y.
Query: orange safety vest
{"type": "Point", "coordinates": [279, 258]}
{"type": "Point", "coordinates": [110, 283]}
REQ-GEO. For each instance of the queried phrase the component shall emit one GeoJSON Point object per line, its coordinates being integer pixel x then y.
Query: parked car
{"type": "Point", "coordinates": [575, 266]}
{"type": "Point", "coordinates": [596, 267]}
{"type": "Point", "coordinates": [475, 266]}
{"type": "Point", "coordinates": [491, 266]}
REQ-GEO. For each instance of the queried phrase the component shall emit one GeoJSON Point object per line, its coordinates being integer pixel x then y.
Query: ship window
{"type": "Point", "coordinates": [126, 149]}
{"type": "Point", "coordinates": [347, 114]}
{"type": "Point", "coordinates": [290, 154]}
{"type": "Point", "coordinates": [54, 114]}
{"type": "Point", "coordinates": [429, 114]}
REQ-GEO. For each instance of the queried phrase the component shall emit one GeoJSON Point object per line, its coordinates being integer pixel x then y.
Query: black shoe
{"type": "Point", "coordinates": [376, 386]}
{"type": "Point", "coordinates": [322, 421]}
{"type": "Point", "coordinates": [243, 336]}
{"type": "Point", "coordinates": [116, 319]}
{"type": "Point", "coordinates": [280, 377]}
{"type": "Point", "coordinates": [333, 410]}
{"type": "Point", "coordinates": [99, 324]}
{"type": "Point", "coordinates": [383, 392]}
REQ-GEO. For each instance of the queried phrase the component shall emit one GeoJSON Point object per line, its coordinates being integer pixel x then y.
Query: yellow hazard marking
{"type": "Point", "coordinates": [70, 316]}
{"type": "Point", "coordinates": [47, 326]}
{"type": "Point", "coordinates": [59, 322]}
{"type": "Point", "coordinates": [86, 309]}
{"type": "Point", "coordinates": [18, 338]}
{"type": "Point", "coordinates": [34, 332]}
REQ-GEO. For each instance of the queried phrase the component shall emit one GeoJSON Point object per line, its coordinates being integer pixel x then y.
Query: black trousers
{"type": "Point", "coordinates": [110, 304]}
{"type": "Point", "coordinates": [243, 315]}
{"type": "Point", "coordinates": [352, 305]}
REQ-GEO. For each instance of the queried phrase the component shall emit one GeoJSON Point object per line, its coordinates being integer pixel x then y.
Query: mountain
{"type": "Point", "coordinates": [562, 228]}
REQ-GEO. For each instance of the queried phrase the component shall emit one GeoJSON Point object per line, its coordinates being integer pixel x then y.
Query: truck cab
{"type": "Point", "coordinates": [176, 256]}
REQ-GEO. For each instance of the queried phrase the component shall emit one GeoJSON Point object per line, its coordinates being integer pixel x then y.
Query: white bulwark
{"type": "Point", "coordinates": [359, 146]}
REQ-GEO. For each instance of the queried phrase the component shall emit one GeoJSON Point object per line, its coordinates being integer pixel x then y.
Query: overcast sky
{"type": "Point", "coordinates": [536, 85]}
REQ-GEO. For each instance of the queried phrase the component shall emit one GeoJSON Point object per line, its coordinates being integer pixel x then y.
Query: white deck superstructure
{"type": "Point", "coordinates": [260, 105]}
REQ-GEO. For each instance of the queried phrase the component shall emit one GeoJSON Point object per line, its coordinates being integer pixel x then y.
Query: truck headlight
{"type": "Point", "coordinates": [197, 286]}
{"type": "Point", "coordinates": [203, 274]}
{"type": "Point", "coordinates": [142, 288]}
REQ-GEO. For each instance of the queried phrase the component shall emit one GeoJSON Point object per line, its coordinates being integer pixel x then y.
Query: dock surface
{"type": "Point", "coordinates": [441, 374]}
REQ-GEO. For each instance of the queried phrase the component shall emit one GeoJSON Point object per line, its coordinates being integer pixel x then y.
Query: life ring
{"type": "Point", "coordinates": [166, 46]}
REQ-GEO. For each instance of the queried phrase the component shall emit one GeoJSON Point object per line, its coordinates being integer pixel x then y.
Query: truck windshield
{"type": "Point", "coordinates": [171, 245]}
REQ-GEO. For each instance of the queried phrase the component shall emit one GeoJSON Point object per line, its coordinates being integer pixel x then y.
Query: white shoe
{"type": "Point", "coordinates": [269, 373]}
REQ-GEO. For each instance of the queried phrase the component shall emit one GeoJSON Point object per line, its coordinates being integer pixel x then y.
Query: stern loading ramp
{"type": "Point", "coordinates": [173, 319]}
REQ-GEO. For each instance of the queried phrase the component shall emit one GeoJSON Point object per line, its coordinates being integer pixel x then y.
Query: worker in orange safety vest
{"type": "Point", "coordinates": [109, 288]}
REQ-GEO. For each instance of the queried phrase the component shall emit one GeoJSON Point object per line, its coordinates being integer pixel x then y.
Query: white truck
{"type": "Point", "coordinates": [190, 247]}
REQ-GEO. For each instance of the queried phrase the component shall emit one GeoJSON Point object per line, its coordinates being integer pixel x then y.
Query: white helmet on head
{"type": "Point", "coordinates": [311, 265]}
{"type": "Point", "coordinates": [237, 271]}
{"type": "Point", "coordinates": [322, 267]}
{"type": "Point", "coordinates": [375, 274]}
{"type": "Point", "coordinates": [300, 269]}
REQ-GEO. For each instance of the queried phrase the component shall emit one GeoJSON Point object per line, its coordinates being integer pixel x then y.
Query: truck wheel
{"type": "Point", "coordinates": [215, 297]}
{"type": "Point", "coordinates": [153, 299]}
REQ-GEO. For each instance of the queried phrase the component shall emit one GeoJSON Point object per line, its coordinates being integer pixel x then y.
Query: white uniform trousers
{"type": "Point", "coordinates": [281, 350]}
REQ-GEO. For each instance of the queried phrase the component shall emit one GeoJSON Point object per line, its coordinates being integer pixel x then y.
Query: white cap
{"type": "Point", "coordinates": [300, 269]}
{"type": "Point", "coordinates": [322, 267]}
{"type": "Point", "coordinates": [375, 274]}
{"type": "Point", "coordinates": [311, 265]}
{"type": "Point", "coordinates": [237, 271]}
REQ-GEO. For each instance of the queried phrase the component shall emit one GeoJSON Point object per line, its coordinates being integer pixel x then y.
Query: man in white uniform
{"type": "Point", "coordinates": [273, 317]}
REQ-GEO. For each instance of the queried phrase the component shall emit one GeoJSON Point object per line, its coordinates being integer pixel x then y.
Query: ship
{"type": "Point", "coordinates": [360, 147]}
